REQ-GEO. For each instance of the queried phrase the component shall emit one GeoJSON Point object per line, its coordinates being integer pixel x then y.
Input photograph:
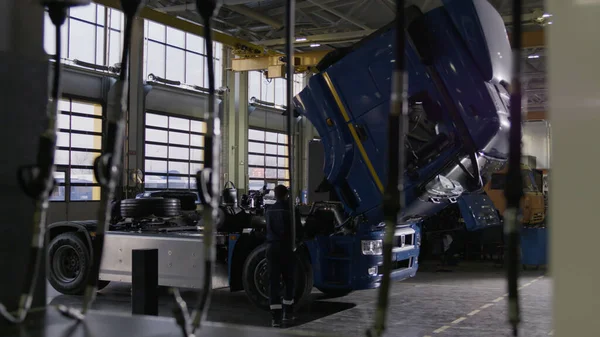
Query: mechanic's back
{"type": "Point", "coordinates": [279, 218]}
{"type": "Point", "coordinates": [280, 257]}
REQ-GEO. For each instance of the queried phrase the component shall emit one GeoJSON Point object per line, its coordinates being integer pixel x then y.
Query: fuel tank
{"type": "Point", "coordinates": [458, 61]}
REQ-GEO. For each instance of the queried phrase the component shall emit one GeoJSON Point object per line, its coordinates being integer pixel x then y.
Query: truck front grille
{"type": "Point", "coordinates": [397, 265]}
{"type": "Point", "coordinates": [538, 217]}
{"type": "Point", "coordinates": [404, 238]}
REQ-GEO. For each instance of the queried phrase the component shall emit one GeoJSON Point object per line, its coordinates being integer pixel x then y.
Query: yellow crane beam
{"type": "Point", "coordinates": [275, 64]}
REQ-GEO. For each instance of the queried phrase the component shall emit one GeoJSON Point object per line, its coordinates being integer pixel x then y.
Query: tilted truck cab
{"type": "Point", "coordinates": [458, 60]}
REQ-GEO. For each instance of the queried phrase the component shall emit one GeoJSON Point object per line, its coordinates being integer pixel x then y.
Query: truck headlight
{"type": "Point", "coordinates": [372, 247]}
{"type": "Point", "coordinates": [418, 239]}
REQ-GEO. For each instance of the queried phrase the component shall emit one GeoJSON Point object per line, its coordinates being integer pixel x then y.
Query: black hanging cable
{"type": "Point", "coordinates": [392, 198]}
{"type": "Point", "coordinates": [107, 167]}
{"type": "Point", "coordinates": [207, 182]}
{"type": "Point", "coordinates": [37, 181]}
{"type": "Point", "coordinates": [514, 186]}
{"type": "Point", "coordinates": [289, 53]}
{"type": "Point", "coordinates": [211, 173]}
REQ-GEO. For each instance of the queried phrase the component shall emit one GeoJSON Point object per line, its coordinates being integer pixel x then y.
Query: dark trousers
{"type": "Point", "coordinates": [281, 263]}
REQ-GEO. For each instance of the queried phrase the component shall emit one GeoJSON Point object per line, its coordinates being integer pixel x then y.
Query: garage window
{"type": "Point", "coordinates": [173, 151]}
{"type": "Point", "coordinates": [268, 158]}
{"type": "Point", "coordinates": [83, 35]}
{"type": "Point", "coordinates": [179, 56]}
{"type": "Point", "coordinates": [79, 142]}
{"type": "Point", "coordinates": [271, 90]}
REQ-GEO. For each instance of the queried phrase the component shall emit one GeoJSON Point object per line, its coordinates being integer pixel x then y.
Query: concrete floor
{"type": "Point", "coordinates": [469, 301]}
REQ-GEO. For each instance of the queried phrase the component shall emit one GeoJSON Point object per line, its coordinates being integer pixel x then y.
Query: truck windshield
{"type": "Point", "coordinates": [528, 181]}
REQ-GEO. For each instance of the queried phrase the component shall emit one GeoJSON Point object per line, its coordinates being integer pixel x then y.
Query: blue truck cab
{"type": "Point", "coordinates": [458, 60]}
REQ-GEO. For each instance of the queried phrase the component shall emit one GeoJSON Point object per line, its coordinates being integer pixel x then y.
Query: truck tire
{"type": "Point", "coordinates": [187, 199]}
{"type": "Point", "coordinates": [167, 207]}
{"type": "Point", "coordinates": [145, 207]}
{"type": "Point", "coordinates": [70, 279]}
{"type": "Point", "coordinates": [69, 263]}
{"type": "Point", "coordinates": [333, 293]}
{"type": "Point", "coordinates": [255, 278]}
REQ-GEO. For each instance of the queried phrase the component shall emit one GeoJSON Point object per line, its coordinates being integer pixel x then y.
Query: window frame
{"type": "Point", "coordinates": [68, 185]}
{"type": "Point", "coordinates": [217, 60]}
{"type": "Point", "coordinates": [266, 180]}
{"type": "Point", "coordinates": [167, 159]}
{"type": "Point", "coordinates": [99, 30]}
{"type": "Point", "coordinates": [297, 88]}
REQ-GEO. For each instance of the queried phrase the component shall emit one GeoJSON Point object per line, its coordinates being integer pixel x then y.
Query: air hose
{"type": "Point", "coordinates": [107, 167]}
{"type": "Point", "coordinates": [37, 181]}
{"type": "Point", "coordinates": [290, 22]}
{"type": "Point", "coordinates": [514, 189]}
{"type": "Point", "coordinates": [207, 182]}
{"type": "Point", "coordinates": [392, 197]}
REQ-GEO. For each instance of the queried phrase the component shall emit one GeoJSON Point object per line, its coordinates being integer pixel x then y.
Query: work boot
{"type": "Point", "coordinates": [288, 314]}
{"type": "Point", "coordinates": [276, 318]}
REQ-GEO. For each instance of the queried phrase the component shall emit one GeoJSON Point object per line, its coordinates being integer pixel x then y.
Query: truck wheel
{"type": "Point", "coordinates": [69, 263]}
{"type": "Point", "coordinates": [256, 278]}
{"type": "Point", "coordinates": [333, 293]}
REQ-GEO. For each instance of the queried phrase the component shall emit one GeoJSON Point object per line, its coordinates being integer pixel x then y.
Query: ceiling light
{"type": "Point", "coordinates": [315, 45]}
{"type": "Point", "coordinates": [546, 15]}
{"type": "Point", "coordinates": [550, 22]}
{"type": "Point", "coordinates": [300, 39]}
{"type": "Point", "coordinates": [533, 56]}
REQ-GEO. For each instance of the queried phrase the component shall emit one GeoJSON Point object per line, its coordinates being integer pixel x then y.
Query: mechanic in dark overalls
{"type": "Point", "coordinates": [280, 257]}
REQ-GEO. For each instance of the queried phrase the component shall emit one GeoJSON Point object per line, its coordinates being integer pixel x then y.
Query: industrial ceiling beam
{"type": "Point", "coordinates": [533, 39]}
{"type": "Point", "coordinates": [329, 38]}
{"type": "Point", "coordinates": [177, 8]}
{"type": "Point", "coordinates": [339, 14]}
{"type": "Point", "coordinates": [189, 27]}
{"type": "Point", "coordinates": [237, 8]}
{"type": "Point", "coordinates": [258, 16]}
{"type": "Point", "coordinates": [300, 5]}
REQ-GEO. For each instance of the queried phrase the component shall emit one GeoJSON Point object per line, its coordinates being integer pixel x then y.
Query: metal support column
{"type": "Point", "coordinates": [24, 66]}
{"type": "Point", "coordinates": [135, 125]}
{"type": "Point", "coordinates": [236, 116]}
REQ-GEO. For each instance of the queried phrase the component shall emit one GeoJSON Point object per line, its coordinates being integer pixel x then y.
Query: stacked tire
{"type": "Point", "coordinates": [187, 199]}
{"type": "Point", "coordinates": [160, 207]}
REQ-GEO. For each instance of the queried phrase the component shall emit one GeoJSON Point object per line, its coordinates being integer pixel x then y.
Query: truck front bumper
{"type": "Point", "coordinates": [405, 259]}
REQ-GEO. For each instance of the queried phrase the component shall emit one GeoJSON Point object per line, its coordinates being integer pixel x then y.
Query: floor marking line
{"type": "Point", "coordinates": [458, 320]}
{"type": "Point", "coordinates": [498, 299]}
{"type": "Point", "coordinates": [485, 306]}
{"type": "Point", "coordinates": [442, 329]}
{"type": "Point", "coordinates": [473, 312]}
{"type": "Point", "coordinates": [551, 333]}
